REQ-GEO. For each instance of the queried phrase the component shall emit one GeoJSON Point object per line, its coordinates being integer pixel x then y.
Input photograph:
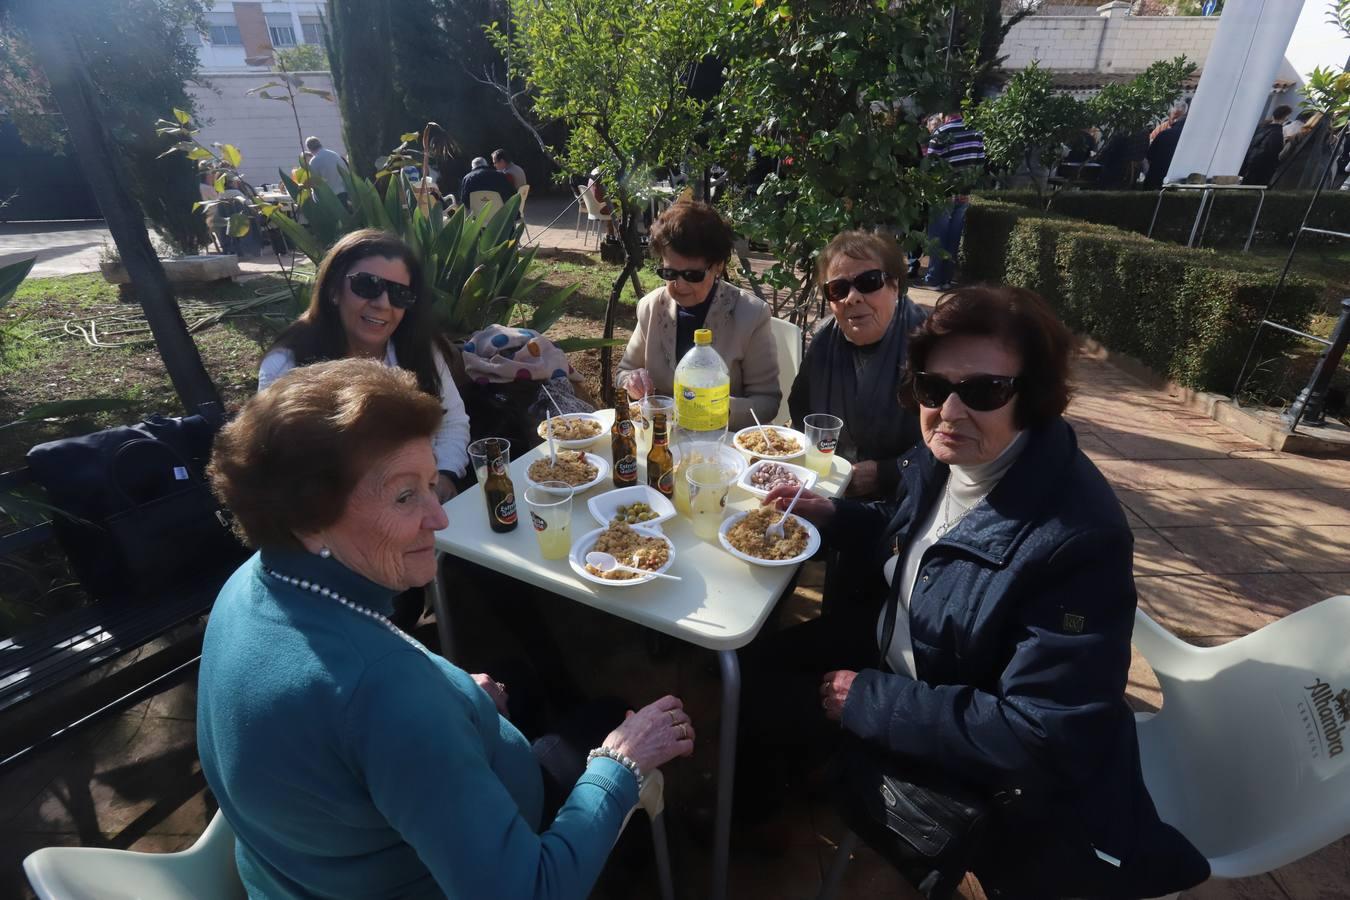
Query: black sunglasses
{"type": "Point", "coordinates": [369, 286]}
{"type": "Point", "coordinates": [982, 393]}
{"type": "Point", "coordinates": [693, 276]}
{"type": "Point", "coordinates": [837, 289]}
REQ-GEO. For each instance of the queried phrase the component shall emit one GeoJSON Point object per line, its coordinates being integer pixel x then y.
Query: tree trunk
{"type": "Point", "coordinates": [62, 62]}
{"type": "Point", "coordinates": [633, 256]}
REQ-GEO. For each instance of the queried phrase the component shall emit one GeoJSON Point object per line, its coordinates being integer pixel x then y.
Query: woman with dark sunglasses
{"type": "Point", "coordinates": [693, 243]}
{"type": "Point", "coordinates": [998, 659]}
{"type": "Point", "coordinates": [366, 301]}
{"type": "Point", "coordinates": [852, 367]}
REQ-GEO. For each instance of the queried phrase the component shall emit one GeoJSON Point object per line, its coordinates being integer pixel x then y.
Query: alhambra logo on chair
{"type": "Point", "coordinates": [1325, 713]}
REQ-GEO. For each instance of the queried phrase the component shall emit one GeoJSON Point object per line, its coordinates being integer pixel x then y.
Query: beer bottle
{"type": "Point", "coordinates": [660, 462]}
{"type": "Point", "coordinates": [500, 493]}
{"type": "Point", "coordinates": [624, 444]}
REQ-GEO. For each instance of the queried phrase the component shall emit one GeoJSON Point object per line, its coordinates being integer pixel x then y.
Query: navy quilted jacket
{"type": "Point", "coordinates": [1021, 619]}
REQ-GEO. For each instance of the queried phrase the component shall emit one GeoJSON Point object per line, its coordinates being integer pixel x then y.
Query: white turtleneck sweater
{"type": "Point", "coordinates": [966, 487]}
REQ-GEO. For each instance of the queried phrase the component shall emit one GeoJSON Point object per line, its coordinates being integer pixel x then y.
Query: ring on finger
{"type": "Point", "coordinates": [684, 732]}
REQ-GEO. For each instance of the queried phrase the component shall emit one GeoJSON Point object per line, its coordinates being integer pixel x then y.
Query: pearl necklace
{"type": "Point", "coordinates": [316, 588]}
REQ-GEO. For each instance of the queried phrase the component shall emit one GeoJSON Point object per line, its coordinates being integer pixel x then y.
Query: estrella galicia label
{"type": "Point", "coordinates": [506, 510]}
{"type": "Point", "coordinates": [538, 521]}
{"type": "Point", "coordinates": [826, 445]}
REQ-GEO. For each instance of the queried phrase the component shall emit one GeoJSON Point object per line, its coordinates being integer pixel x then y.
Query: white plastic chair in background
{"type": "Point", "coordinates": [524, 192]}
{"type": "Point", "coordinates": [594, 214]}
{"type": "Point", "coordinates": [481, 200]}
{"type": "Point", "coordinates": [787, 346]}
{"type": "Point", "coordinates": [205, 871]}
{"type": "Point", "coordinates": [1245, 758]}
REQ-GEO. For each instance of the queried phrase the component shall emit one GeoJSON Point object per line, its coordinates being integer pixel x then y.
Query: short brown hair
{"type": "Point", "coordinates": [289, 461]}
{"type": "Point", "coordinates": [863, 245]}
{"type": "Point", "coordinates": [693, 228]}
{"type": "Point", "coordinates": [1023, 322]}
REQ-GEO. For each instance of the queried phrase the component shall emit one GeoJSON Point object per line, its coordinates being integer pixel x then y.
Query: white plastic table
{"type": "Point", "coordinates": [720, 604]}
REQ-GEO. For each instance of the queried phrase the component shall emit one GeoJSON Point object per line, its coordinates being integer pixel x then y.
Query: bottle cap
{"type": "Point", "coordinates": [703, 337]}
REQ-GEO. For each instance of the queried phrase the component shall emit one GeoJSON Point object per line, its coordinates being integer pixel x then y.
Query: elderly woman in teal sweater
{"type": "Point", "coordinates": [350, 761]}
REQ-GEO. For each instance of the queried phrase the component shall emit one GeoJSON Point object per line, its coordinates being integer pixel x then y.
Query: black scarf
{"type": "Point", "coordinates": [875, 427]}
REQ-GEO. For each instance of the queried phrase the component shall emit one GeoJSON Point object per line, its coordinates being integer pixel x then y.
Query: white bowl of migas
{"type": "Point", "coordinates": [586, 429]}
{"type": "Point", "coordinates": [599, 463]}
{"type": "Point", "coordinates": [585, 543]}
{"type": "Point", "coordinates": [749, 441]}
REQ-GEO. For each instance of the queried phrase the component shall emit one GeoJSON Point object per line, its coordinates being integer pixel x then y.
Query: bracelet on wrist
{"type": "Point", "coordinates": [621, 759]}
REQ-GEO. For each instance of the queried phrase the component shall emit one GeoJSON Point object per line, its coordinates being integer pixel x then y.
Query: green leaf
{"type": "Point", "coordinates": [575, 344]}
{"type": "Point", "coordinates": [239, 225]}
{"type": "Point", "coordinates": [200, 153]}
{"type": "Point", "coordinates": [12, 275]}
{"type": "Point", "coordinates": [230, 153]}
{"type": "Point", "coordinates": [182, 116]}
{"type": "Point", "coordinates": [408, 137]}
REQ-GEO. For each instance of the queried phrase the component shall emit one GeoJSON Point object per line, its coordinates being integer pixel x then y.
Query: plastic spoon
{"type": "Point", "coordinates": [552, 450]}
{"type": "Point", "coordinates": [606, 562]}
{"type": "Point", "coordinates": [775, 530]}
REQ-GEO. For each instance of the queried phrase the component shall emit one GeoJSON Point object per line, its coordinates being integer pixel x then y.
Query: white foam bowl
{"type": "Point", "coordinates": [751, 456]}
{"type": "Point", "coordinates": [601, 473]}
{"type": "Point", "coordinates": [604, 506]}
{"type": "Point", "coordinates": [803, 474]}
{"type": "Point", "coordinates": [583, 545]}
{"type": "Point", "coordinates": [580, 444]}
{"type": "Point", "coordinates": [812, 542]}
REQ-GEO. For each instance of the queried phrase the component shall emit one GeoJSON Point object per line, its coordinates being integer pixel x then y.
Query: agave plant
{"type": "Point", "coordinates": [472, 265]}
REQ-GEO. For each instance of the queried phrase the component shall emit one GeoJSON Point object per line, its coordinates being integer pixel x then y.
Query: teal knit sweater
{"type": "Point", "coordinates": [353, 764]}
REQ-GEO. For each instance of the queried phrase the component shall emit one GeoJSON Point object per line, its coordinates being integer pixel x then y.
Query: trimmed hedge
{"type": "Point", "coordinates": [1228, 222]}
{"type": "Point", "coordinates": [1187, 314]}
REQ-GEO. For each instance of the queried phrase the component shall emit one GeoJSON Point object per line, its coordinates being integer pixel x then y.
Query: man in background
{"type": "Point", "coordinates": [503, 164]}
{"type": "Point", "coordinates": [961, 148]}
{"type": "Point", "coordinates": [1263, 156]}
{"type": "Point", "coordinates": [483, 177]}
{"type": "Point", "coordinates": [328, 166]}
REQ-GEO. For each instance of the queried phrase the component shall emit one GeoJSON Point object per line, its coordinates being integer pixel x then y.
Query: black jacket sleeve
{"type": "Point", "coordinates": [1055, 709]}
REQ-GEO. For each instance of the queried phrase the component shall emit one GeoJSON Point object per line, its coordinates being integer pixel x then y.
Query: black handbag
{"type": "Point", "coordinates": [139, 514]}
{"type": "Point", "coordinates": [924, 822]}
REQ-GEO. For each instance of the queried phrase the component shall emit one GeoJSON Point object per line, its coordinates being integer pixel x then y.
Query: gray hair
{"type": "Point", "coordinates": [312, 143]}
{"type": "Point", "coordinates": [478, 163]}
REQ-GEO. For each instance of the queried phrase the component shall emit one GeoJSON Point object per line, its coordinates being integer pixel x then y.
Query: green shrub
{"type": "Point", "coordinates": [1187, 314]}
{"type": "Point", "coordinates": [1229, 220]}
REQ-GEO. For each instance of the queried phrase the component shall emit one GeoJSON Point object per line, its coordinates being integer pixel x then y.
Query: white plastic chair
{"type": "Point", "coordinates": [524, 192]}
{"type": "Point", "coordinates": [204, 871]}
{"type": "Point", "coordinates": [1239, 758]}
{"type": "Point", "coordinates": [594, 214]}
{"type": "Point", "coordinates": [481, 200]}
{"type": "Point", "coordinates": [787, 346]}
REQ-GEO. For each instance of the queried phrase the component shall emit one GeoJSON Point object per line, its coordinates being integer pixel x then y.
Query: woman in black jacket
{"type": "Point", "coordinates": [1010, 562]}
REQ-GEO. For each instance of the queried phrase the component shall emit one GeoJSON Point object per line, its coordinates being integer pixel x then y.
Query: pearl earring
{"type": "Point", "coordinates": [325, 552]}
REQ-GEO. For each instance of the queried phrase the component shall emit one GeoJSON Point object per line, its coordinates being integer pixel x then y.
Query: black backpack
{"type": "Point", "coordinates": [139, 514]}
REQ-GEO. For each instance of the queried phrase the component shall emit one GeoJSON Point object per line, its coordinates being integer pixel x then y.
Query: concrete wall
{"type": "Point", "coordinates": [264, 130]}
{"type": "Point", "coordinates": [1102, 43]}
{"type": "Point", "coordinates": [250, 17]}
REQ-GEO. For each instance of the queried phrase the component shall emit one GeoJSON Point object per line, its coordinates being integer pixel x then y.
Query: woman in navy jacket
{"type": "Point", "coordinates": [1016, 596]}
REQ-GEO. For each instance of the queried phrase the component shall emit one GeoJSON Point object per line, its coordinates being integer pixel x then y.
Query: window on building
{"type": "Point", "coordinates": [223, 29]}
{"type": "Point", "coordinates": [280, 29]}
{"type": "Point", "coordinates": [311, 29]}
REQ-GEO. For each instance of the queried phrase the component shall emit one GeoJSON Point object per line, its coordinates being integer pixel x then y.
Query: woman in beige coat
{"type": "Point", "coordinates": [694, 245]}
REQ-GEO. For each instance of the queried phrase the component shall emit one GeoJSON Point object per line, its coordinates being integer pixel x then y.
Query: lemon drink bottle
{"type": "Point", "coordinates": [702, 407]}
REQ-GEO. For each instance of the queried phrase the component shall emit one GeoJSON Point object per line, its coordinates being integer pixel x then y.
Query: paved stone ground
{"type": "Point", "coordinates": [1230, 536]}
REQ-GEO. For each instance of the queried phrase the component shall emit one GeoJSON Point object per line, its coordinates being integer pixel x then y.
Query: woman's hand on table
{"type": "Point", "coordinates": [834, 688]}
{"type": "Point", "coordinates": [812, 507]}
{"type": "Point", "coordinates": [655, 734]}
{"type": "Point", "coordinates": [638, 383]}
{"type": "Point", "coordinates": [494, 689]}
{"type": "Point", "coordinates": [864, 479]}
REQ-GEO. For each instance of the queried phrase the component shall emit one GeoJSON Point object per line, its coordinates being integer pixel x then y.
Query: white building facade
{"type": "Point", "coordinates": [236, 57]}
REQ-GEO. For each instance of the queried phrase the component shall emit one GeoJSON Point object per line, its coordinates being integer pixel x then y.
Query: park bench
{"type": "Point", "coordinates": [52, 681]}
